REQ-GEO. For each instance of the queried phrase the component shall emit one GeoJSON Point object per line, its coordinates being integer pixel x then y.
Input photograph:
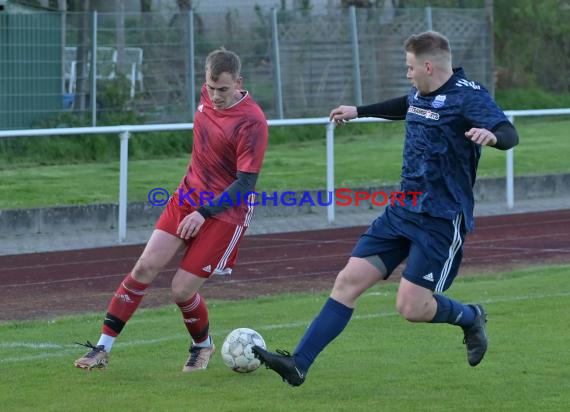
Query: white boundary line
{"type": "Point", "coordinates": [69, 352]}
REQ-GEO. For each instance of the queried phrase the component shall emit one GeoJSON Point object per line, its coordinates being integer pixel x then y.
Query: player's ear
{"type": "Point", "coordinates": [239, 82]}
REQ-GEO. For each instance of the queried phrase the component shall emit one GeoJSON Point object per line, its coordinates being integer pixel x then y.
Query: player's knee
{"type": "Point", "coordinates": [183, 288]}
{"type": "Point", "coordinates": [179, 294]}
{"type": "Point", "coordinates": [342, 282]}
{"type": "Point", "coordinates": [346, 285]}
{"type": "Point", "coordinates": [145, 271]}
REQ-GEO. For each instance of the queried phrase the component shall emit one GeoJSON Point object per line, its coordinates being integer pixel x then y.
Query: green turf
{"type": "Point", "coordinates": [380, 362]}
{"type": "Point", "coordinates": [360, 160]}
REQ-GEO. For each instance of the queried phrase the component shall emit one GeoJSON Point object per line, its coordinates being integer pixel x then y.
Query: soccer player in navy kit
{"type": "Point", "coordinates": [448, 120]}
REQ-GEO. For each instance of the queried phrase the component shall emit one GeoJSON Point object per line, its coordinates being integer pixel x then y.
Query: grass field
{"type": "Point", "coordinates": [380, 362]}
{"type": "Point", "coordinates": [360, 160]}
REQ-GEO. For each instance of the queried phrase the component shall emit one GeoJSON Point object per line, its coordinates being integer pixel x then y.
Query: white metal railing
{"type": "Point", "coordinates": [124, 133]}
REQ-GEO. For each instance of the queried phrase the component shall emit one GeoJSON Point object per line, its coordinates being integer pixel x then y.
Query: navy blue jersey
{"type": "Point", "coordinates": [439, 161]}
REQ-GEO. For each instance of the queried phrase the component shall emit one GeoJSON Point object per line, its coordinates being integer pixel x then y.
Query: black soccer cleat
{"type": "Point", "coordinates": [281, 362]}
{"type": "Point", "coordinates": [476, 337]}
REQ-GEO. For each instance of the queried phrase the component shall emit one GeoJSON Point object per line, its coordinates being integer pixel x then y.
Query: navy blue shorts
{"type": "Point", "coordinates": [432, 245]}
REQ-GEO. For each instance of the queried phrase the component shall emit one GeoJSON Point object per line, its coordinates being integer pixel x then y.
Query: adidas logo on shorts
{"type": "Point", "coordinates": [429, 277]}
{"type": "Point", "coordinates": [207, 268]}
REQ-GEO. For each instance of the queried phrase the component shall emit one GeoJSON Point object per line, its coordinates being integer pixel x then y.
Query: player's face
{"type": "Point", "coordinates": [225, 91]}
{"type": "Point", "coordinates": [418, 72]}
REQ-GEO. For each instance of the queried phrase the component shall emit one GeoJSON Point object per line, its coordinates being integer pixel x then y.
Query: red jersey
{"type": "Point", "coordinates": [225, 142]}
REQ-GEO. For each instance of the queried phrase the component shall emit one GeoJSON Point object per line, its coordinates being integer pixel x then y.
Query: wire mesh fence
{"type": "Point", "coordinates": [81, 69]}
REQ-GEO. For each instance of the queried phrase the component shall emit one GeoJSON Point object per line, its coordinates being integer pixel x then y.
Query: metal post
{"type": "Point", "coordinates": [510, 174]}
{"type": "Point", "coordinates": [428, 18]}
{"type": "Point", "coordinates": [94, 71]}
{"type": "Point", "coordinates": [191, 69]}
{"type": "Point", "coordinates": [123, 175]}
{"type": "Point", "coordinates": [276, 65]}
{"type": "Point", "coordinates": [355, 57]}
{"type": "Point", "coordinates": [330, 170]}
{"type": "Point", "coordinates": [62, 39]}
{"type": "Point", "coordinates": [490, 47]}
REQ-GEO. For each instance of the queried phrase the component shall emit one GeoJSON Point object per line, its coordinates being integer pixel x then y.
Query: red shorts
{"type": "Point", "coordinates": [214, 249]}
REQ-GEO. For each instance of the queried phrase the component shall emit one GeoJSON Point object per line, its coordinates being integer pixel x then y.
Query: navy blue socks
{"type": "Point", "coordinates": [334, 317]}
{"type": "Point", "coordinates": [325, 327]}
{"type": "Point", "coordinates": [453, 312]}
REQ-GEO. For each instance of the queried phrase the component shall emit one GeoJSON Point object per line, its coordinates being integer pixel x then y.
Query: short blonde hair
{"type": "Point", "coordinates": [430, 43]}
{"type": "Point", "coordinates": [223, 61]}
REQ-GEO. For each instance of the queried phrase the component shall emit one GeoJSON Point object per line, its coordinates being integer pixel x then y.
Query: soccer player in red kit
{"type": "Point", "coordinates": [230, 138]}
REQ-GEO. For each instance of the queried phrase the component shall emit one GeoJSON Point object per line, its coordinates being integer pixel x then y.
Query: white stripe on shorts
{"type": "Point", "coordinates": [455, 246]}
{"type": "Point", "coordinates": [250, 207]}
{"type": "Point", "coordinates": [222, 263]}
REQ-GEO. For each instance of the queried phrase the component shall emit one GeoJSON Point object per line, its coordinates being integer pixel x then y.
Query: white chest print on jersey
{"type": "Point", "coordinates": [428, 114]}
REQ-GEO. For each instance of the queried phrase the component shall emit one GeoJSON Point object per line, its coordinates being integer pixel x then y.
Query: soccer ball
{"type": "Point", "coordinates": [236, 350]}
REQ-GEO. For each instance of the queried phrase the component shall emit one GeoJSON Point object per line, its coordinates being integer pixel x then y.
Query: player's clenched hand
{"type": "Point", "coordinates": [483, 137]}
{"type": "Point", "coordinates": [343, 113]}
{"type": "Point", "coordinates": [190, 225]}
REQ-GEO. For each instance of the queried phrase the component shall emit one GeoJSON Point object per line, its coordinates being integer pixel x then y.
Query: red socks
{"type": "Point", "coordinates": [126, 300]}
{"type": "Point", "coordinates": [123, 304]}
{"type": "Point", "coordinates": [195, 314]}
